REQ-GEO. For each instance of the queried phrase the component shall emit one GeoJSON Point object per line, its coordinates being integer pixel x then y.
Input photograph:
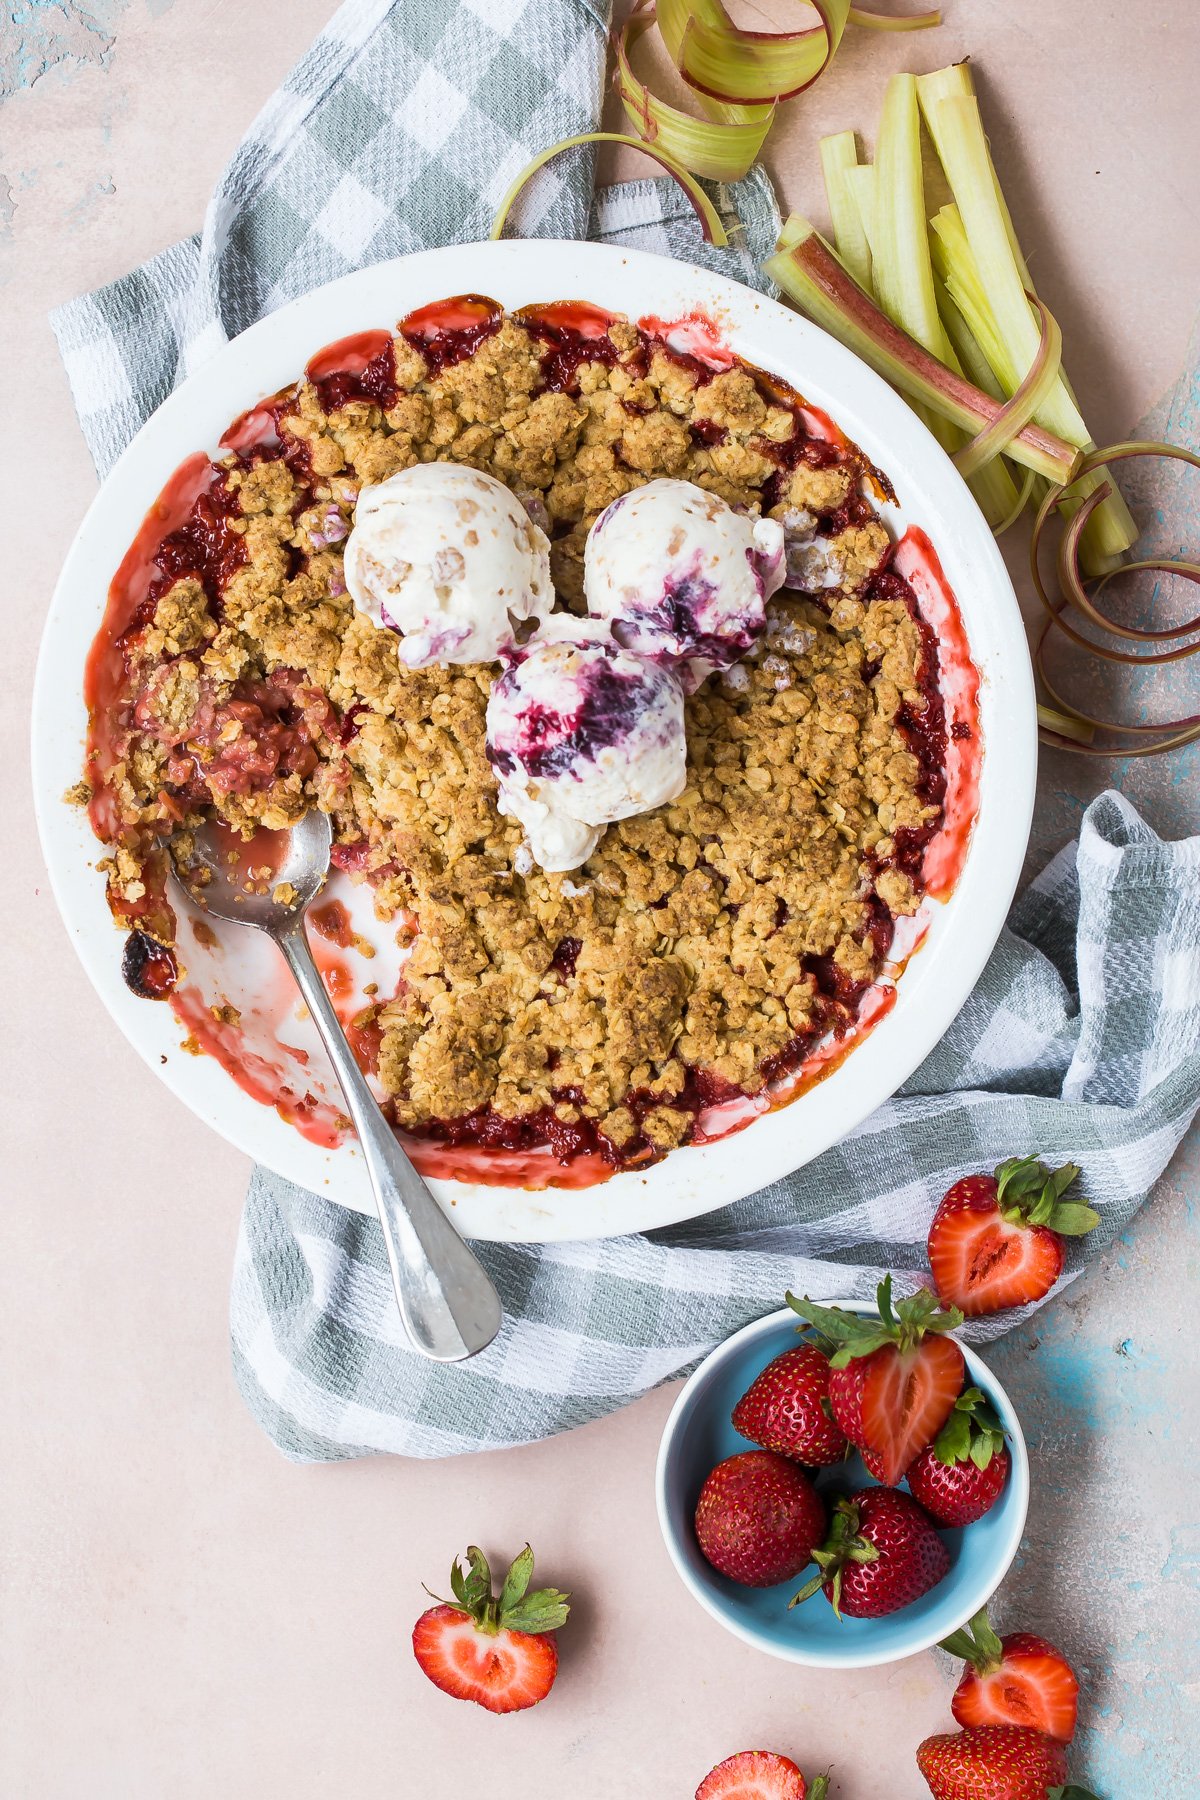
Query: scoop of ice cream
{"type": "Point", "coordinates": [681, 576]}
{"type": "Point", "coordinates": [580, 733]}
{"type": "Point", "coordinates": [447, 558]}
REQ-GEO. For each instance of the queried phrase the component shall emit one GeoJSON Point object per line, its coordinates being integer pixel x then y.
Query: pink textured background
{"type": "Point", "coordinates": [183, 1613]}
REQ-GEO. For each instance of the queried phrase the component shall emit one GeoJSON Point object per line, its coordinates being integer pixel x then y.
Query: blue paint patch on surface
{"type": "Point", "coordinates": [40, 35]}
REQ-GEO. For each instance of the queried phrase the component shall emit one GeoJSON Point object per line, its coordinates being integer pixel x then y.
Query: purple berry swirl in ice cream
{"type": "Point", "coordinates": [580, 733]}
{"type": "Point", "coordinates": [681, 577]}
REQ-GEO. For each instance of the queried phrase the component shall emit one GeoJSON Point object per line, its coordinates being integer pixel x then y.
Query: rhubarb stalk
{"type": "Point", "coordinates": [720, 148]}
{"type": "Point", "coordinates": [951, 112]}
{"type": "Point", "coordinates": [903, 280]}
{"type": "Point", "coordinates": [721, 60]}
{"type": "Point", "coordinates": [809, 273]}
{"type": "Point", "coordinates": [839, 155]}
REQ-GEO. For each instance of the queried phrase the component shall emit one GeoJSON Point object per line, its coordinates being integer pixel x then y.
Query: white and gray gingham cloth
{"type": "Point", "coordinates": [400, 129]}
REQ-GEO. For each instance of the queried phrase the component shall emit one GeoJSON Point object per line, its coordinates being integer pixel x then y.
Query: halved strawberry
{"type": "Point", "coordinates": [961, 1475]}
{"type": "Point", "coordinates": [996, 1762]}
{"type": "Point", "coordinates": [893, 1379]}
{"type": "Point", "coordinates": [500, 1653]}
{"type": "Point", "coordinates": [786, 1409]}
{"type": "Point", "coordinates": [997, 1240]}
{"type": "Point", "coordinates": [1018, 1679]}
{"type": "Point", "coordinates": [760, 1775]}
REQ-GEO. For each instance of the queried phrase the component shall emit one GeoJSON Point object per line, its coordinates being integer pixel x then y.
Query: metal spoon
{"type": "Point", "coordinates": [447, 1302]}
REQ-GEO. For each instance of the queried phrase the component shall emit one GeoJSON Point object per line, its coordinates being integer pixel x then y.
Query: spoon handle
{"type": "Point", "coordinates": [447, 1302]}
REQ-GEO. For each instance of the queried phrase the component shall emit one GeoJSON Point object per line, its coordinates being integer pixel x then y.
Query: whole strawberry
{"type": "Point", "coordinates": [996, 1762]}
{"type": "Point", "coordinates": [961, 1475]}
{"type": "Point", "coordinates": [500, 1653]}
{"type": "Point", "coordinates": [882, 1553]}
{"type": "Point", "coordinates": [997, 1240]}
{"type": "Point", "coordinates": [759, 1518]}
{"type": "Point", "coordinates": [1018, 1679]}
{"type": "Point", "coordinates": [760, 1775]}
{"type": "Point", "coordinates": [787, 1409]}
{"type": "Point", "coordinates": [893, 1380]}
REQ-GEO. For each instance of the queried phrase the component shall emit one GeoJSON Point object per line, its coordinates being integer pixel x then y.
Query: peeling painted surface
{"type": "Point", "coordinates": [41, 35]}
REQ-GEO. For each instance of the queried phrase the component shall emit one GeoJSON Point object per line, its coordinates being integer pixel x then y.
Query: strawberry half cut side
{"type": "Point", "coordinates": [501, 1652]}
{"type": "Point", "coordinates": [760, 1775]}
{"type": "Point", "coordinates": [1018, 1679]}
{"type": "Point", "coordinates": [997, 1240]}
{"type": "Point", "coordinates": [893, 1380]}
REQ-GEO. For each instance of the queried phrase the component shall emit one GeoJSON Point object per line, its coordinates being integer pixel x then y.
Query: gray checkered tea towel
{"type": "Point", "coordinates": [400, 129]}
{"type": "Point", "coordinates": [1081, 1042]}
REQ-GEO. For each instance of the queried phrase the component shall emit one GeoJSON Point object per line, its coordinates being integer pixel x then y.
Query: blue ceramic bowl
{"type": "Point", "coordinates": [699, 1435]}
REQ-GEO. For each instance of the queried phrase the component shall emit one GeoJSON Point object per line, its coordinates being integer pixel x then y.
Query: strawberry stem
{"type": "Point", "coordinates": [843, 1545]}
{"type": "Point", "coordinates": [977, 1644]}
{"type": "Point", "coordinates": [903, 1324]}
{"type": "Point", "coordinates": [972, 1433]}
{"type": "Point", "coordinates": [516, 1609]}
{"type": "Point", "coordinates": [1028, 1193]}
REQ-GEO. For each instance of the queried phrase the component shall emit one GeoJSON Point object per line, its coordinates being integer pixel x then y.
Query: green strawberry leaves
{"type": "Point", "coordinates": [516, 1609]}
{"type": "Point", "coordinates": [903, 1324]}
{"type": "Point", "coordinates": [977, 1644]}
{"type": "Point", "coordinates": [972, 1433]}
{"type": "Point", "coordinates": [1028, 1193]}
{"type": "Point", "coordinates": [818, 1787]}
{"type": "Point", "coordinates": [843, 1545]}
{"type": "Point", "coordinates": [1070, 1792]}
{"type": "Point", "coordinates": [516, 1582]}
{"type": "Point", "coordinates": [472, 1589]}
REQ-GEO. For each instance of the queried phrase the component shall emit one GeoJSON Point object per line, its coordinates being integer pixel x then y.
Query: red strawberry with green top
{"type": "Point", "coordinates": [961, 1475]}
{"type": "Point", "coordinates": [882, 1553]}
{"type": "Point", "coordinates": [1018, 1679]}
{"type": "Point", "coordinates": [759, 1518]}
{"type": "Point", "coordinates": [997, 1240]}
{"type": "Point", "coordinates": [996, 1762]}
{"type": "Point", "coordinates": [760, 1775]}
{"type": "Point", "coordinates": [787, 1409]}
{"type": "Point", "coordinates": [500, 1653]}
{"type": "Point", "coordinates": [893, 1380]}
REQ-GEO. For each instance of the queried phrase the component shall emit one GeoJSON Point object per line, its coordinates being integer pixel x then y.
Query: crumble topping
{"type": "Point", "coordinates": [701, 948]}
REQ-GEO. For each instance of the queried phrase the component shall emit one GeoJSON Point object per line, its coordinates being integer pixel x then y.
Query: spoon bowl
{"type": "Point", "coordinates": [222, 874]}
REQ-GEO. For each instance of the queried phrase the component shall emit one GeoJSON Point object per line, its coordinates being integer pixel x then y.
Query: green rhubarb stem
{"type": "Point", "coordinates": [839, 154]}
{"type": "Point", "coordinates": [811, 276]}
{"type": "Point", "coordinates": [903, 273]}
{"type": "Point", "coordinates": [952, 114]}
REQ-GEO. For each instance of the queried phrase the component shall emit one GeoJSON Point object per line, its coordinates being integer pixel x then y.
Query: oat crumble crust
{"type": "Point", "coordinates": [709, 934]}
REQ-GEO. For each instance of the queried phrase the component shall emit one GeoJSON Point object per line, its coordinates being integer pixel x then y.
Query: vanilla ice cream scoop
{"type": "Point", "coordinates": [681, 576]}
{"type": "Point", "coordinates": [580, 733]}
{"type": "Point", "coordinates": [447, 558]}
